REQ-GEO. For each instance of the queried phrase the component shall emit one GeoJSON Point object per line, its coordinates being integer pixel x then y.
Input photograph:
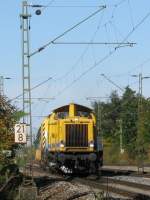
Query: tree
{"type": "Point", "coordinates": [6, 124]}
{"type": "Point", "coordinates": [129, 116]}
{"type": "Point", "coordinates": [9, 115]}
{"type": "Point", "coordinates": [110, 112]}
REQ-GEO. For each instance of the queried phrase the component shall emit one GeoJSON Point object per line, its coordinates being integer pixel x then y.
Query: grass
{"type": "Point", "coordinates": [112, 156]}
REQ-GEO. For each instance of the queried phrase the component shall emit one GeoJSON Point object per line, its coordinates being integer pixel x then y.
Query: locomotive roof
{"type": "Point", "coordinates": [78, 107]}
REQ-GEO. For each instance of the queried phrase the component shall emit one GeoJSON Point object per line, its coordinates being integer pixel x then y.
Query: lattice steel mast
{"type": "Point", "coordinates": [25, 27]}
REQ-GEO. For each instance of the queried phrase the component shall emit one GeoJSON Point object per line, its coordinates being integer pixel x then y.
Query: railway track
{"type": "Point", "coordinates": [126, 170]}
{"type": "Point", "coordinates": [124, 188]}
{"type": "Point", "coordinates": [49, 185]}
{"type": "Point", "coordinates": [10, 186]}
{"type": "Point", "coordinates": [108, 184]}
{"type": "Point", "coordinates": [112, 188]}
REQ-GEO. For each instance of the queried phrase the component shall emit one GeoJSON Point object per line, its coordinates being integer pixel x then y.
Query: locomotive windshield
{"type": "Point", "coordinates": [62, 115]}
{"type": "Point", "coordinates": [83, 114]}
{"type": "Point", "coordinates": [76, 110]}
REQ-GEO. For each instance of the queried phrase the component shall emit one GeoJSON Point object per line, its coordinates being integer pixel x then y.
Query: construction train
{"type": "Point", "coordinates": [68, 140]}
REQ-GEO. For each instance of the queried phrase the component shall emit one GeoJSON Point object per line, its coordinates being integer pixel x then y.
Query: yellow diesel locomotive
{"type": "Point", "coordinates": [69, 140]}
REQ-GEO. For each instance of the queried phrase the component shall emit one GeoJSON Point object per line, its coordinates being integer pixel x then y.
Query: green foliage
{"type": "Point", "coordinates": [9, 115]}
{"type": "Point", "coordinates": [17, 115]}
{"type": "Point", "coordinates": [110, 112]}
{"type": "Point", "coordinates": [122, 114]}
{"type": "Point", "coordinates": [129, 117]}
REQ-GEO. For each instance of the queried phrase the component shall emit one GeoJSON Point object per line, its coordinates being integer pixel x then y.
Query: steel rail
{"type": "Point", "coordinates": [111, 185]}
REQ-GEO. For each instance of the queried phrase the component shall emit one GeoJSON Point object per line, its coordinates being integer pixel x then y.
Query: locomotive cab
{"type": "Point", "coordinates": [72, 138]}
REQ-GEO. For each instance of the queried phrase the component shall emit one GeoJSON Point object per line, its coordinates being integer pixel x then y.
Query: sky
{"type": "Point", "coordinates": [76, 69]}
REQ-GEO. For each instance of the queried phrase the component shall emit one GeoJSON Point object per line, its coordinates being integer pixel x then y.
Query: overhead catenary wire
{"type": "Point", "coordinates": [43, 7]}
{"type": "Point", "coordinates": [98, 27]}
{"type": "Point", "coordinates": [119, 106]}
{"type": "Point", "coordinates": [114, 32]}
{"type": "Point", "coordinates": [121, 1]}
{"type": "Point", "coordinates": [107, 36]}
{"type": "Point", "coordinates": [97, 43]}
{"type": "Point", "coordinates": [73, 6]}
{"type": "Point", "coordinates": [105, 57]}
{"type": "Point", "coordinates": [116, 6]}
{"type": "Point", "coordinates": [112, 82]}
{"type": "Point", "coordinates": [134, 68]}
{"type": "Point", "coordinates": [85, 50]}
{"type": "Point", "coordinates": [83, 53]}
{"type": "Point", "coordinates": [67, 31]}
{"type": "Point", "coordinates": [131, 13]}
{"type": "Point", "coordinates": [116, 29]}
{"type": "Point", "coordinates": [117, 47]}
{"type": "Point", "coordinates": [46, 102]}
{"type": "Point", "coordinates": [39, 6]}
{"type": "Point", "coordinates": [40, 98]}
{"type": "Point", "coordinates": [36, 86]}
{"type": "Point", "coordinates": [140, 65]}
{"type": "Point", "coordinates": [95, 33]}
{"type": "Point", "coordinates": [133, 83]}
{"type": "Point", "coordinates": [124, 103]}
{"type": "Point", "coordinates": [145, 61]}
{"type": "Point", "coordinates": [48, 5]}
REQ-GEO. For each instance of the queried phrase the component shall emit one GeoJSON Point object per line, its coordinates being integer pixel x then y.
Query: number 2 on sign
{"type": "Point", "coordinates": [18, 128]}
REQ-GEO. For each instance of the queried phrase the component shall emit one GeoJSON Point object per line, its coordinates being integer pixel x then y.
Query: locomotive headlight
{"type": "Point", "coordinates": [91, 144]}
{"type": "Point", "coordinates": [61, 145]}
{"type": "Point", "coordinates": [76, 119]}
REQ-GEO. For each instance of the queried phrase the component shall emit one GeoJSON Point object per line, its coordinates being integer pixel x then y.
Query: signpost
{"type": "Point", "coordinates": [20, 133]}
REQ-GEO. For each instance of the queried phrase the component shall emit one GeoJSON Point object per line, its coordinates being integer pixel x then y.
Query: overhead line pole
{"type": "Point", "coordinates": [140, 121]}
{"type": "Point", "coordinates": [26, 85]}
{"type": "Point", "coordinates": [140, 141]}
{"type": "Point", "coordinates": [26, 80]}
{"type": "Point", "coordinates": [99, 117]}
{"type": "Point", "coordinates": [27, 119]}
{"type": "Point", "coordinates": [2, 78]}
{"type": "Point", "coordinates": [1, 85]}
{"type": "Point", "coordinates": [121, 136]}
{"type": "Point", "coordinates": [120, 120]}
